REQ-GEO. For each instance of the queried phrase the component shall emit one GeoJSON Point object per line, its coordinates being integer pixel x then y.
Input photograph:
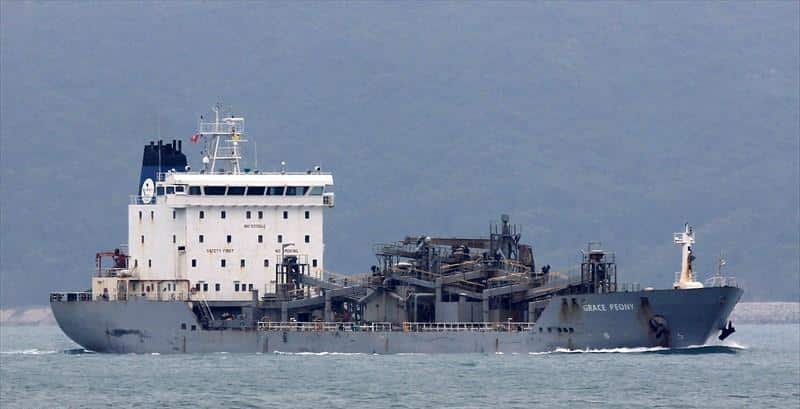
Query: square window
{"type": "Point", "coordinates": [250, 287]}
{"type": "Point", "coordinates": [308, 239]}
{"type": "Point", "coordinates": [151, 215]}
{"type": "Point", "coordinates": [236, 286]}
{"type": "Point", "coordinates": [197, 286]}
{"type": "Point", "coordinates": [183, 325]}
{"type": "Point", "coordinates": [200, 238]}
{"type": "Point", "coordinates": [194, 262]}
{"type": "Point", "coordinates": [280, 238]}
{"type": "Point", "coordinates": [228, 238]}
{"type": "Point", "coordinates": [260, 238]}
{"type": "Point", "coordinates": [314, 263]}
{"type": "Point", "coordinates": [205, 287]}
{"type": "Point", "coordinates": [140, 215]}
{"type": "Point", "coordinates": [216, 287]}
{"type": "Point", "coordinates": [222, 214]}
{"type": "Point", "coordinates": [222, 262]}
{"type": "Point", "coordinates": [202, 214]}
{"type": "Point", "coordinates": [308, 214]}
{"type": "Point", "coordinates": [174, 214]}
{"type": "Point", "coordinates": [194, 327]}
{"type": "Point", "coordinates": [241, 263]}
{"type": "Point", "coordinates": [173, 238]}
{"type": "Point", "coordinates": [143, 239]}
{"type": "Point", "coordinates": [285, 214]}
{"type": "Point", "coordinates": [149, 263]}
{"type": "Point", "coordinates": [247, 214]}
{"type": "Point", "coordinates": [266, 263]}
{"type": "Point", "coordinates": [260, 214]}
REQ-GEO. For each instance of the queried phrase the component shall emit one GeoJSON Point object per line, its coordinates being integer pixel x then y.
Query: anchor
{"type": "Point", "coordinates": [726, 332]}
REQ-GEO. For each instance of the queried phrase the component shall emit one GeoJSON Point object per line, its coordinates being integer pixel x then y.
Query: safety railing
{"type": "Point", "coordinates": [71, 296]}
{"type": "Point", "coordinates": [509, 326]}
{"type": "Point", "coordinates": [722, 281]}
{"type": "Point", "coordinates": [324, 326]}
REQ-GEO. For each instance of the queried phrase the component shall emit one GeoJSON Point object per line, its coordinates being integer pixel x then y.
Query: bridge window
{"type": "Point", "coordinates": [291, 190]}
{"type": "Point", "coordinates": [235, 190]}
{"type": "Point", "coordinates": [214, 190]}
{"type": "Point", "coordinates": [159, 190]}
{"type": "Point", "coordinates": [195, 191]}
{"type": "Point", "coordinates": [275, 191]}
{"type": "Point", "coordinates": [222, 263]}
{"type": "Point", "coordinates": [316, 191]}
{"type": "Point", "coordinates": [179, 189]}
{"type": "Point", "coordinates": [255, 190]}
{"type": "Point", "coordinates": [170, 190]}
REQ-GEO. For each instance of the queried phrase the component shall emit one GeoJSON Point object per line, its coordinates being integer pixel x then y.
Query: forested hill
{"type": "Point", "coordinates": [614, 122]}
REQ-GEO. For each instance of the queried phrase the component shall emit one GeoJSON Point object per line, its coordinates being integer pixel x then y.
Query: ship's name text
{"type": "Point", "coordinates": [607, 307]}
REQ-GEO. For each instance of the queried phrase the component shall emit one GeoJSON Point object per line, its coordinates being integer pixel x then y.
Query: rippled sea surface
{"type": "Point", "coordinates": [758, 368]}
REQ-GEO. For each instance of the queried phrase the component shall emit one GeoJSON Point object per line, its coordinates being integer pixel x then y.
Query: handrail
{"type": "Point", "coordinates": [324, 326]}
{"type": "Point", "coordinates": [510, 326]}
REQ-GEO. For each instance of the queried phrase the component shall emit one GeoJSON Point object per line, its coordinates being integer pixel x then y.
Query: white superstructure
{"type": "Point", "coordinates": [220, 233]}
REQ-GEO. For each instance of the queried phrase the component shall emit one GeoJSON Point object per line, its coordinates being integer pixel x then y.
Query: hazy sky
{"type": "Point", "coordinates": [584, 121]}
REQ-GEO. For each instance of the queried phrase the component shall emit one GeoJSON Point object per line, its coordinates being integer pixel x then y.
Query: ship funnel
{"type": "Point", "coordinates": [686, 277]}
{"type": "Point", "coordinates": [157, 158]}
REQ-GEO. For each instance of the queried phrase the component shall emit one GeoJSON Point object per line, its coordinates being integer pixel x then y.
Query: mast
{"type": "Point", "coordinates": [224, 136]}
{"type": "Point", "coordinates": [686, 278]}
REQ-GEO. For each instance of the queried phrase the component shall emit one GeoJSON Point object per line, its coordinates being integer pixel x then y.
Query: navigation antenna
{"type": "Point", "coordinates": [223, 136]}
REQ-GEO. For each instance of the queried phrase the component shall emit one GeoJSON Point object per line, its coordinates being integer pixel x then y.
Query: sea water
{"type": "Point", "coordinates": [758, 367]}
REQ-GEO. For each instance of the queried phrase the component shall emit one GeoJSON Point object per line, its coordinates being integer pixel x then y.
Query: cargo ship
{"type": "Point", "coordinates": [231, 259]}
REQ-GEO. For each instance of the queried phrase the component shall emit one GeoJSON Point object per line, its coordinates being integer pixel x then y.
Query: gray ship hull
{"type": "Point", "coordinates": [582, 321]}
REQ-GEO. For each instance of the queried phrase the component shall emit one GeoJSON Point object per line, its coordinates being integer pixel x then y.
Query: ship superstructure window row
{"type": "Point", "coordinates": [253, 190]}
